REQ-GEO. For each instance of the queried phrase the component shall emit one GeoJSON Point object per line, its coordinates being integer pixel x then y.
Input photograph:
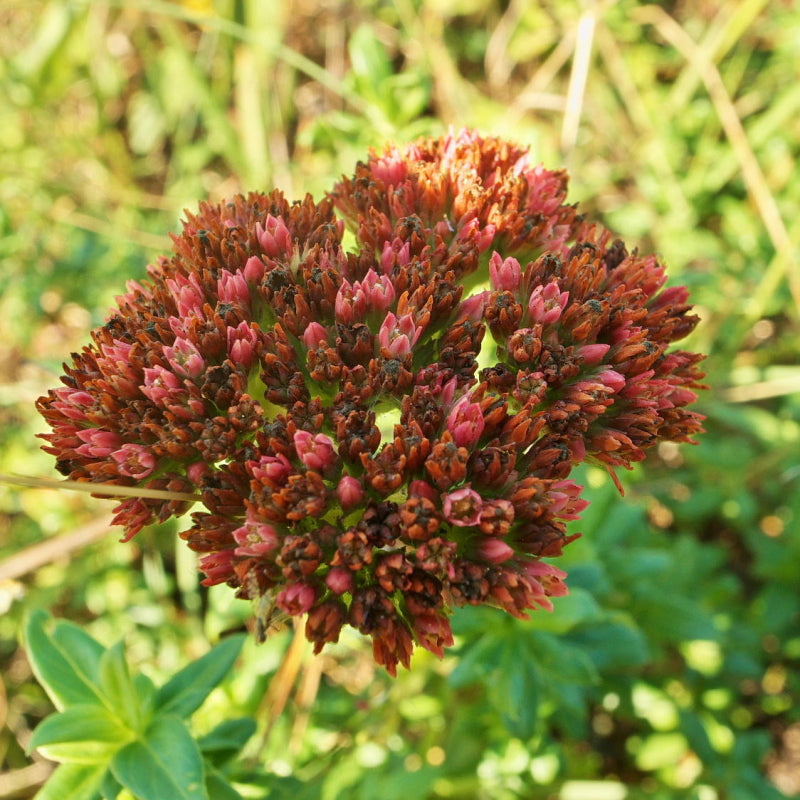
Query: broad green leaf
{"type": "Point", "coordinates": [672, 618]}
{"type": "Point", "coordinates": [118, 687]}
{"type": "Point", "coordinates": [576, 608]}
{"type": "Point", "coordinates": [73, 782]}
{"type": "Point", "coordinates": [187, 689]}
{"type": "Point", "coordinates": [65, 660]}
{"type": "Point", "coordinates": [84, 725]}
{"type": "Point", "coordinates": [164, 763]}
{"type": "Point", "coordinates": [228, 736]}
{"type": "Point", "coordinates": [146, 692]}
{"type": "Point", "coordinates": [477, 661]}
{"type": "Point", "coordinates": [611, 645]}
{"type": "Point", "coordinates": [514, 691]}
{"type": "Point", "coordinates": [110, 787]}
{"type": "Point", "coordinates": [218, 786]}
{"type": "Point", "coordinates": [559, 660]}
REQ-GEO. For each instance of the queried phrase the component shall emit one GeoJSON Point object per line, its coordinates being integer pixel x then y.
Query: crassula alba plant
{"type": "Point", "coordinates": [373, 403]}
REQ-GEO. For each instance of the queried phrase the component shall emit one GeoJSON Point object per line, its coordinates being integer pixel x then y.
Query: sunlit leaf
{"type": "Point", "coordinates": [74, 782]}
{"type": "Point", "coordinates": [65, 660]}
{"type": "Point", "coordinates": [187, 689]}
{"type": "Point", "coordinates": [164, 762]}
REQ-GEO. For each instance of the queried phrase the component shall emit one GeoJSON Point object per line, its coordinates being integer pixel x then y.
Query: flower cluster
{"type": "Point", "coordinates": [384, 431]}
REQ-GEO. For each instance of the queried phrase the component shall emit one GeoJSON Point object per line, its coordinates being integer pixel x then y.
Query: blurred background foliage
{"type": "Point", "coordinates": [673, 668]}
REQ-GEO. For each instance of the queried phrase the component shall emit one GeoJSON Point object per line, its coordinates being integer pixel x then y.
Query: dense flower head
{"type": "Point", "coordinates": [379, 433]}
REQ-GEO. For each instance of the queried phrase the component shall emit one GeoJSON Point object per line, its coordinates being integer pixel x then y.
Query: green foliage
{"type": "Point", "coordinates": [673, 667]}
{"type": "Point", "coordinates": [114, 731]}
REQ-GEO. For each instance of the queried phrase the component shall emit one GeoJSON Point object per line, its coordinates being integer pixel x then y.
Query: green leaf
{"type": "Point", "coordinates": [65, 660]}
{"type": "Point", "coordinates": [611, 645]}
{"type": "Point", "coordinates": [228, 737]}
{"type": "Point", "coordinates": [514, 691]}
{"type": "Point", "coordinates": [187, 689]}
{"type": "Point", "coordinates": [576, 608]}
{"type": "Point", "coordinates": [73, 782]}
{"type": "Point", "coordinates": [368, 59]}
{"type": "Point", "coordinates": [561, 661]}
{"type": "Point", "coordinates": [218, 786]}
{"type": "Point", "coordinates": [146, 696]}
{"type": "Point", "coordinates": [110, 787]}
{"type": "Point", "coordinates": [164, 763]}
{"type": "Point", "coordinates": [695, 733]}
{"type": "Point", "coordinates": [117, 686]}
{"type": "Point", "coordinates": [671, 618]}
{"type": "Point", "coordinates": [89, 726]}
{"type": "Point", "coordinates": [477, 661]}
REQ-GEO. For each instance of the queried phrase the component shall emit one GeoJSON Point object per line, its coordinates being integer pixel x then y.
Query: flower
{"type": "Point", "coordinates": [382, 434]}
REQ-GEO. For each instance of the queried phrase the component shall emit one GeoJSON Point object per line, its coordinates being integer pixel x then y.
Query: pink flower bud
{"type": "Point", "coordinates": [275, 238]}
{"type": "Point", "coordinates": [135, 294]}
{"type": "Point", "coordinates": [463, 507]}
{"type": "Point", "coordinates": [443, 228]}
{"type": "Point", "coordinates": [118, 352]}
{"type": "Point", "coordinates": [577, 451]}
{"type": "Point", "coordinates": [97, 443]}
{"type": "Point", "coordinates": [314, 335]}
{"type": "Point", "coordinates": [671, 297]}
{"type": "Point", "coordinates": [378, 290]}
{"type": "Point", "coordinates": [185, 358]}
{"type": "Point", "coordinates": [465, 422]}
{"type": "Point", "coordinates": [681, 397]}
{"type": "Point", "coordinates": [218, 567]}
{"type": "Point", "coordinates": [254, 269]}
{"type": "Point", "coordinates": [72, 403]}
{"type": "Point", "coordinates": [593, 354]}
{"type": "Point", "coordinates": [472, 231]}
{"type": "Point", "coordinates": [160, 385]}
{"type": "Point", "coordinates": [316, 452]}
{"type": "Point", "coordinates": [350, 492]}
{"type": "Point", "coordinates": [505, 275]}
{"type": "Point", "coordinates": [187, 292]}
{"type": "Point", "coordinates": [296, 598]}
{"type": "Point", "coordinates": [351, 303]}
{"type": "Point", "coordinates": [423, 489]}
{"type": "Point", "coordinates": [272, 470]}
{"type": "Point", "coordinates": [134, 460]}
{"type": "Point", "coordinates": [612, 379]}
{"type": "Point", "coordinates": [233, 288]}
{"type": "Point", "coordinates": [398, 335]}
{"type": "Point", "coordinates": [339, 580]}
{"type": "Point", "coordinates": [565, 502]}
{"type": "Point", "coordinates": [391, 169]}
{"type": "Point", "coordinates": [546, 581]}
{"type": "Point", "coordinates": [395, 252]}
{"type": "Point", "coordinates": [546, 303]}
{"type": "Point", "coordinates": [495, 551]}
{"type": "Point", "coordinates": [473, 307]}
{"type": "Point", "coordinates": [242, 344]}
{"type": "Point", "coordinates": [197, 471]}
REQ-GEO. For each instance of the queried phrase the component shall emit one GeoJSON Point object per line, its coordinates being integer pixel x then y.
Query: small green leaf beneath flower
{"type": "Point", "coordinates": [65, 660]}
{"type": "Point", "coordinates": [74, 782]}
{"type": "Point", "coordinates": [82, 725]}
{"type": "Point", "coordinates": [164, 763]}
{"type": "Point", "coordinates": [186, 691]}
